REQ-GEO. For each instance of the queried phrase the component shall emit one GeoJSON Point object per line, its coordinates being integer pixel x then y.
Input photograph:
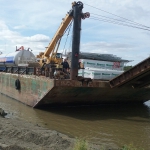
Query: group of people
{"type": "Point", "coordinates": [65, 73]}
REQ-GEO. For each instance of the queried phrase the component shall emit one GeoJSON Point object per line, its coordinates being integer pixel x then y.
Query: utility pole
{"type": "Point", "coordinates": [77, 12]}
{"type": "Point", "coordinates": [77, 15]}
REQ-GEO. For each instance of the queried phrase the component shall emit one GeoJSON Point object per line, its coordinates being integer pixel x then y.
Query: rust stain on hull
{"type": "Point", "coordinates": [37, 91]}
{"type": "Point", "coordinates": [85, 95]}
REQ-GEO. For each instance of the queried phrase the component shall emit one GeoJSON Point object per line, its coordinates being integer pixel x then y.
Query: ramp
{"type": "Point", "coordinates": [136, 77]}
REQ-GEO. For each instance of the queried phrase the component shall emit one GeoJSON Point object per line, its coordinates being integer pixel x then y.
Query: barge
{"type": "Point", "coordinates": [38, 90]}
{"type": "Point", "coordinates": [33, 83]}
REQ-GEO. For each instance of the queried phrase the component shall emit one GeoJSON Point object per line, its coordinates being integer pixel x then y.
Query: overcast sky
{"type": "Point", "coordinates": [33, 24]}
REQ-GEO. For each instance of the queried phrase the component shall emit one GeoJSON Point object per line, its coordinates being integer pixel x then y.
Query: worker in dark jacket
{"type": "Point", "coordinates": [65, 65]}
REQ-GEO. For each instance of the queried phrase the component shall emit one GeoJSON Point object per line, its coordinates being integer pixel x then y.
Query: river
{"type": "Point", "coordinates": [109, 125]}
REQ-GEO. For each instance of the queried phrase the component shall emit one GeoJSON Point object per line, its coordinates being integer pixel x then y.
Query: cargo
{"type": "Point", "coordinates": [102, 64]}
{"type": "Point", "coordinates": [81, 72]}
{"type": "Point", "coordinates": [17, 58]}
{"type": "Point", "coordinates": [104, 74]}
{"type": "Point", "coordinates": [87, 74]}
{"type": "Point", "coordinates": [96, 69]}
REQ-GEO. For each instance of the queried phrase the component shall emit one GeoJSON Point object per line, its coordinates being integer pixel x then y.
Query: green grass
{"type": "Point", "coordinates": [130, 147]}
{"type": "Point", "coordinates": [81, 145]}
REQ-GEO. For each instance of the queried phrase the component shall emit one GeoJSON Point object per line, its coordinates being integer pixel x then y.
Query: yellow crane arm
{"type": "Point", "coordinates": [57, 36]}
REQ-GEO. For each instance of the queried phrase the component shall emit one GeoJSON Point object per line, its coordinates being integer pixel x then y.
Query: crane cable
{"type": "Point", "coordinates": [110, 21]}
{"type": "Point", "coordinates": [69, 27]}
{"type": "Point", "coordinates": [128, 22]}
{"type": "Point", "coordinates": [69, 48]}
{"type": "Point", "coordinates": [116, 15]}
{"type": "Point", "coordinates": [122, 21]}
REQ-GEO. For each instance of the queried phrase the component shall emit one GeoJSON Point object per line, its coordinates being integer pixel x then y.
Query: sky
{"type": "Point", "coordinates": [33, 24]}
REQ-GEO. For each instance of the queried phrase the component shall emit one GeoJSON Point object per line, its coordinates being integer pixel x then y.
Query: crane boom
{"type": "Point", "coordinates": [58, 35]}
{"type": "Point", "coordinates": [50, 57]}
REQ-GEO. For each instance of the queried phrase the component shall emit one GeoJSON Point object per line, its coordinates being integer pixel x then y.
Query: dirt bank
{"type": "Point", "coordinates": [16, 134]}
{"type": "Point", "coordinates": [19, 135]}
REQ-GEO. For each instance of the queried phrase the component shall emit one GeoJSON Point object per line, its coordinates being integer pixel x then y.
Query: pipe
{"type": "Point", "coordinates": [77, 15]}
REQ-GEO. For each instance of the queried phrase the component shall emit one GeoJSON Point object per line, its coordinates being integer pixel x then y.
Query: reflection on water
{"type": "Point", "coordinates": [113, 125]}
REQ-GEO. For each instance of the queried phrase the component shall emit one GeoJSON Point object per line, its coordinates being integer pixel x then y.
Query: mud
{"type": "Point", "coordinates": [17, 134]}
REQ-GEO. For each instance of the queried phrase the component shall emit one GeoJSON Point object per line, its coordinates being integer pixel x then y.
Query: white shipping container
{"type": "Point", "coordinates": [96, 75]}
{"type": "Point", "coordinates": [104, 74]}
{"type": "Point", "coordinates": [81, 72]}
{"type": "Point", "coordinates": [87, 74]}
{"type": "Point", "coordinates": [102, 64]}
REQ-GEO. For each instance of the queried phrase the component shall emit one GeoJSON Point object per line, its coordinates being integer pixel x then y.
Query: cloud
{"type": "Point", "coordinates": [38, 38]}
{"type": "Point", "coordinates": [19, 27]}
{"type": "Point", "coordinates": [10, 39]}
{"type": "Point", "coordinates": [5, 33]}
{"type": "Point", "coordinates": [33, 24]}
{"type": "Point", "coordinates": [104, 47]}
{"type": "Point", "coordinates": [3, 25]}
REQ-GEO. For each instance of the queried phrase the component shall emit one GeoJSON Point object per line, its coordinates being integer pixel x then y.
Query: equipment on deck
{"type": "Point", "coordinates": [20, 57]}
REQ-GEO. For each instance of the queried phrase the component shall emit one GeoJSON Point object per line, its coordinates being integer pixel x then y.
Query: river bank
{"type": "Point", "coordinates": [20, 135]}
{"type": "Point", "coordinates": [108, 127]}
{"type": "Point", "coordinates": [16, 134]}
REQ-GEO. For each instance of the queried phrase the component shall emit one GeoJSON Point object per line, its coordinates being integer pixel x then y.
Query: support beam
{"type": "Point", "coordinates": [77, 15]}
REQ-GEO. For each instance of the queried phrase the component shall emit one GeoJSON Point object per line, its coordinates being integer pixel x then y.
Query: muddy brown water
{"type": "Point", "coordinates": [107, 125]}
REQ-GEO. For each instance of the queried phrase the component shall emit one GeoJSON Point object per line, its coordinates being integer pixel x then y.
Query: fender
{"type": "Point", "coordinates": [17, 84]}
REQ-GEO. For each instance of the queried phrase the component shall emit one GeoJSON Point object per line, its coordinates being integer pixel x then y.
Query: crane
{"type": "Point", "coordinates": [50, 56]}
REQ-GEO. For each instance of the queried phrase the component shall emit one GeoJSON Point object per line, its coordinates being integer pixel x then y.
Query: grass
{"type": "Point", "coordinates": [83, 145]}
{"type": "Point", "coordinates": [130, 147]}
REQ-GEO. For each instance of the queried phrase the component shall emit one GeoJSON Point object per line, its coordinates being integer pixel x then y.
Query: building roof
{"type": "Point", "coordinates": [102, 57]}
